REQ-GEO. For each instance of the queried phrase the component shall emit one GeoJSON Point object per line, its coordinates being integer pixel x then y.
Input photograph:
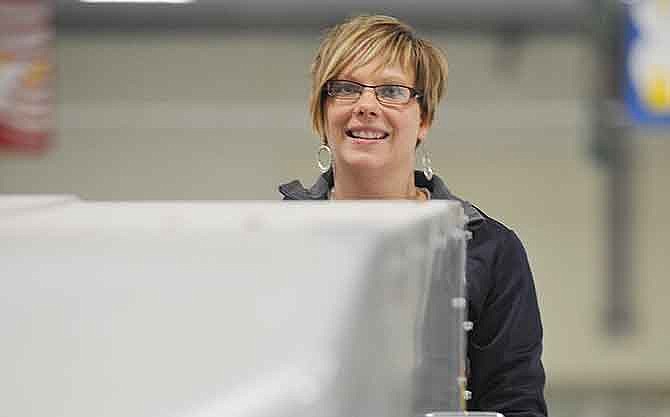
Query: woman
{"type": "Point", "coordinates": [376, 86]}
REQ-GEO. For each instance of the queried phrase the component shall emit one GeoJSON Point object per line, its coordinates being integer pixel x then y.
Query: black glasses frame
{"type": "Point", "coordinates": [412, 91]}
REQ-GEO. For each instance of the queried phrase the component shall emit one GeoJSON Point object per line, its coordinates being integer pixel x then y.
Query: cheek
{"type": "Point", "coordinates": [335, 118]}
{"type": "Point", "coordinates": [409, 124]}
{"type": "Point", "coordinates": [416, 124]}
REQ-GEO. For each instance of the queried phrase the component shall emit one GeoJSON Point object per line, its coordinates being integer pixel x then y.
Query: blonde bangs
{"type": "Point", "coordinates": [391, 47]}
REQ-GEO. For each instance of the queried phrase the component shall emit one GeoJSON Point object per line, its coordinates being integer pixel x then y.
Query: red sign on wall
{"type": "Point", "coordinates": [26, 75]}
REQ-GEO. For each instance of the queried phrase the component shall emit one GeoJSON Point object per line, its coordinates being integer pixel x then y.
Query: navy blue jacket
{"type": "Point", "coordinates": [505, 372]}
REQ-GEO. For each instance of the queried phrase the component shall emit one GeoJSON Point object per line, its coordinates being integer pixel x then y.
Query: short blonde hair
{"type": "Point", "coordinates": [358, 41]}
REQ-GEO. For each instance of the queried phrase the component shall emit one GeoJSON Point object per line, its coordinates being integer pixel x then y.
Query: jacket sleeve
{"type": "Point", "coordinates": [505, 346]}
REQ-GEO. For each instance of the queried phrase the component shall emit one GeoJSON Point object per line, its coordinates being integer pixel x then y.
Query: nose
{"type": "Point", "coordinates": [367, 104]}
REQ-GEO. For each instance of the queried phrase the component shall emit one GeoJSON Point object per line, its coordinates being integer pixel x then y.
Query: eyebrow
{"type": "Point", "coordinates": [394, 80]}
{"type": "Point", "coordinates": [379, 81]}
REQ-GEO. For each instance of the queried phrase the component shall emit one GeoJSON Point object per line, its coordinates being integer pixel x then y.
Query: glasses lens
{"type": "Point", "coordinates": [393, 93]}
{"type": "Point", "coordinates": [344, 89]}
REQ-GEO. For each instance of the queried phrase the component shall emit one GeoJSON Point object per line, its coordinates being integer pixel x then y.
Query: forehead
{"type": "Point", "coordinates": [378, 71]}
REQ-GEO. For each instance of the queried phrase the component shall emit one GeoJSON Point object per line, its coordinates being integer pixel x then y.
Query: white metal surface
{"type": "Point", "coordinates": [217, 309]}
{"type": "Point", "coordinates": [14, 204]}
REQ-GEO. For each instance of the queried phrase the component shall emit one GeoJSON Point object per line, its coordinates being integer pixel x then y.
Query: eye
{"type": "Point", "coordinates": [342, 88]}
{"type": "Point", "coordinates": [393, 92]}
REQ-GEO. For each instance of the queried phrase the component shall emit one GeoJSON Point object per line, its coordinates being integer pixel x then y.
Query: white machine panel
{"type": "Point", "coordinates": [170, 309]}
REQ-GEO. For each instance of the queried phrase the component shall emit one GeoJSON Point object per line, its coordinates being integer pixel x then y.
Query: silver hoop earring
{"type": "Point", "coordinates": [426, 163]}
{"type": "Point", "coordinates": [324, 166]}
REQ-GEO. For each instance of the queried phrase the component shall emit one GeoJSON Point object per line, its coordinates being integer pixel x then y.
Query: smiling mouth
{"type": "Point", "coordinates": [363, 134]}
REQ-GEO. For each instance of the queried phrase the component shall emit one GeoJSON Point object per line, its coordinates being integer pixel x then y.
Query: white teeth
{"type": "Point", "coordinates": [367, 134]}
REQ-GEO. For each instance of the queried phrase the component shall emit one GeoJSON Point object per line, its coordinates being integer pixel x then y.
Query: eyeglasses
{"type": "Point", "coordinates": [385, 93]}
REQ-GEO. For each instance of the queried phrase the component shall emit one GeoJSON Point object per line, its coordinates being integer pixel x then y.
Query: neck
{"type": "Point", "coordinates": [380, 185]}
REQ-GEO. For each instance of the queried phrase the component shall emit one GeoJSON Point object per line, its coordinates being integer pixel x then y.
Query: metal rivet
{"type": "Point", "coordinates": [458, 303]}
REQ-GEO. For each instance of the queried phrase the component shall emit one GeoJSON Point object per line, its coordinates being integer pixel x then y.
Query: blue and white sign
{"type": "Point", "coordinates": [647, 83]}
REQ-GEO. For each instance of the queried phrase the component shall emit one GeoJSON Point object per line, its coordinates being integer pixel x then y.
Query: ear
{"type": "Point", "coordinates": [424, 127]}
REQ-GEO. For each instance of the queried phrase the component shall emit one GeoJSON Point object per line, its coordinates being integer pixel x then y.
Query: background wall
{"type": "Point", "coordinates": [218, 115]}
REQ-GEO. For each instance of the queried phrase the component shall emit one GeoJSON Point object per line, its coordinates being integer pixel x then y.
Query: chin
{"type": "Point", "coordinates": [362, 161]}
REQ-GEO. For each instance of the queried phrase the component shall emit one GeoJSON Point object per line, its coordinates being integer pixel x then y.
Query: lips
{"type": "Point", "coordinates": [366, 134]}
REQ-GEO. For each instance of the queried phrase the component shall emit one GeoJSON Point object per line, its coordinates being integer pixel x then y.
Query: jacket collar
{"type": "Point", "coordinates": [294, 190]}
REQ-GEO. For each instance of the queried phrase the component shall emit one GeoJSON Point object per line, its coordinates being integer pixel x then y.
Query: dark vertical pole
{"type": "Point", "coordinates": [611, 140]}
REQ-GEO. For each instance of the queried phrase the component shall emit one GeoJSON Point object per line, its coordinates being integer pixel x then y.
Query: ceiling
{"type": "Point", "coordinates": [538, 15]}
